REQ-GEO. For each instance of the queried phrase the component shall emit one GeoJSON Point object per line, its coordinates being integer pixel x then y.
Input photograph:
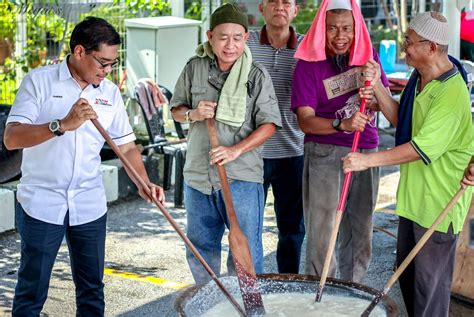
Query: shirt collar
{"type": "Point", "coordinates": [292, 41]}
{"type": "Point", "coordinates": [450, 73]}
{"type": "Point", "coordinates": [65, 73]}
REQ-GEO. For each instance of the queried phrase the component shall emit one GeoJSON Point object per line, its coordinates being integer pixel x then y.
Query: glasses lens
{"type": "Point", "coordinates": [114, 64]}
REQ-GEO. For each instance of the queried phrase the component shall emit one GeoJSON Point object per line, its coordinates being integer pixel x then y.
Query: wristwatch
{"type": "Point", "coordinates": [336, 124]}
{"type": "Point", "coordinates": [55, 126]}
{"type": "Point", "coordinates": [186, 116]}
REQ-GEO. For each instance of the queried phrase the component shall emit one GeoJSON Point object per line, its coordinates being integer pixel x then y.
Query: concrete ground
{"type": "Point", "coordinates": [146, 266]}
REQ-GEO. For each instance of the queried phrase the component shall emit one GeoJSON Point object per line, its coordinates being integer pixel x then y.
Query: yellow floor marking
{"type": "Point", "coordinates": [144, 278]}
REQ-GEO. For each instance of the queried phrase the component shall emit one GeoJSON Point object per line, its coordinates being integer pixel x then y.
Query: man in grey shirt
{"type": "Point", "coordinates": [274, 46]}
{"type": "Point", "coordinates": [222, 81]}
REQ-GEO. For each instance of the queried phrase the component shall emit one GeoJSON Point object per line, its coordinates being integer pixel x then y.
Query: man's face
{"type": "Point", "coordinates": [228, 43]}
{"type": "Point", "coordinates": [339, 32]}
{"type": "Point", "coordinates": [279, 13]}
{"type": "Point", "coordinates": [416, 48]}
{"type": "Point", "coordinates": [96, 65]}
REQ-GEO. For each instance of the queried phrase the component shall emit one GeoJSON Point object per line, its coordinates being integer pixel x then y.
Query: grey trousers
{"type": "Point", "coordinates": [322, 183]}
{"type": "Point", "coordinates": [426, 282]}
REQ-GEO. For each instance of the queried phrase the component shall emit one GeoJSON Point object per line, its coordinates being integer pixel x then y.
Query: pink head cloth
{"type": "Point", "coordinates": [313, 46]}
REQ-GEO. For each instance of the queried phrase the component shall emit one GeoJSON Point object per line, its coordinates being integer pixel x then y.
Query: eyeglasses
{"type": "Point", "coordinates": [105, 65]}
{"type": "Point", "coordinates": [407, 43]}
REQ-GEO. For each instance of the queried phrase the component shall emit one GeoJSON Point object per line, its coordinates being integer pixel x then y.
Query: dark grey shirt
{"type": "Point", "coordinates": [202, 80]}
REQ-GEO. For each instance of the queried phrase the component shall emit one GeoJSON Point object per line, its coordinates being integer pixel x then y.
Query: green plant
{"type": "Point", "coordinates": [194, 10]}
{"type": "Point", "coordinates": [146, 7]}
{"type": "Point", "coordinates": [305, 17]}
{"type": "Point", "coordinates": [7, 20]}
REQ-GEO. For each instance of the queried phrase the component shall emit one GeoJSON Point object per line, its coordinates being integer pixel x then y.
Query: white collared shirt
{"type": "Point", "coordinates": [63, 173]}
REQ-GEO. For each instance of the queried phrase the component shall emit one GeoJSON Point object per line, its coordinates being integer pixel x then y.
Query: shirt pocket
{"type": "Point", "coordinates": [198, 93]}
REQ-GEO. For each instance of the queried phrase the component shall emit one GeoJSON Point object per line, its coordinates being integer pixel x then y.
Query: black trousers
{"type": "Point", "coordinates": [426, 283]}
{"type": "Point", "coordinates": [285, 175]}
{"type": "Point", "coordinates": [40, 242]}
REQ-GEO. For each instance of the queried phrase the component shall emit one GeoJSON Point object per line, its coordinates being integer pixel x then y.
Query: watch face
{"type": "Point", "coordinates": [54, 125]}
{"type": "Point", "coordinates": [336, 123]}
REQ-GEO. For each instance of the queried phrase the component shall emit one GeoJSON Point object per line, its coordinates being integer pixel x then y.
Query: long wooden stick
{"type": "Point", "coordinates": [340, 209]}
{"type": "Point", "coordinates": [141, 183]}
{"type": "Point", "coordinates": [238, 242]}
{"type": "Point", "coordinates": [413, 252]}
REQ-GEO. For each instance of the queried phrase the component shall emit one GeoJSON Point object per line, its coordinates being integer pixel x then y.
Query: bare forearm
{"type": "Point", "coordinates": [401, 154]}
{"type": "Point", "coordinates": [386, 103]}
{"type": "Point", "coordinates": [179, 112]}
{"type": "Point", "coordinates": [21, 135]}
{"type": "Point", "coordinates": [132, 154]}
{"type": "Point", "coordinates": [316, 125]}
{"type": "Point", "coordinates": [256, 138]}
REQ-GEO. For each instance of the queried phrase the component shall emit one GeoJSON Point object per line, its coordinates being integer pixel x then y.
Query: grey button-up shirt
{"type": "Point", "coordinates": [202, 80]}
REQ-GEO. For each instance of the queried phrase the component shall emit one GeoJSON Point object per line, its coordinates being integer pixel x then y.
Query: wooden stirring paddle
{"type": "Point", "coordinates": [141, 183]}
{"type": "Point", "coordinates": [238, 243]}
{"type": "Point", "coordinates": [413, 253]}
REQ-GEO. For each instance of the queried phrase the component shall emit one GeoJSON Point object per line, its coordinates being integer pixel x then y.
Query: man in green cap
{"type": "Point", "coordinates": [221, 81]}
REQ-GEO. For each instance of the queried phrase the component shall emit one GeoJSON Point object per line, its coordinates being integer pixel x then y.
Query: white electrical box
{"type": "Point", "coordinates": [158, 48]}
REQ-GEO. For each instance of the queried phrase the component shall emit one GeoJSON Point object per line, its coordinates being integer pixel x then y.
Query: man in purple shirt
{"type": "Point", "coordinates": [326, 101]}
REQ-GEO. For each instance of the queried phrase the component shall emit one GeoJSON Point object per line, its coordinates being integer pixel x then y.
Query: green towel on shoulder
{"type": "Point", "coordinates": [232, 102]}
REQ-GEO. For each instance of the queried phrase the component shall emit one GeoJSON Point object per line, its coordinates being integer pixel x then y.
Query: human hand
{"type": "Point", "coordinates": [222, 154]}
{"type": "Point", "coordinates": [156, 192]}
{"type": "Point", "coordinates": [205, 110]}
{"type": "Point", "coordinates": [354, 162]}
{"type": "Point", "coordinates": [355, 123]}
{"type": "Point", "coordinates": [370, 72]}
{"type": "Point", "coordinates": [80, 112]}
{"type": "Point", "coordinates": [468, 179]}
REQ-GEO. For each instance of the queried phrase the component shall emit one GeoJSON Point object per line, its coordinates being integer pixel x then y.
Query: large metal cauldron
{"type": "Point", "coordinates": [10, 161]}
{"type": "Point", "coordinates": [196, 300]}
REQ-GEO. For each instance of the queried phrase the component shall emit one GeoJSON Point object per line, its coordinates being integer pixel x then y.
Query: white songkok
{"type": "Point", "coordinates": [431, 29]}
{"type": "Point", "coordinates": [339, 4]}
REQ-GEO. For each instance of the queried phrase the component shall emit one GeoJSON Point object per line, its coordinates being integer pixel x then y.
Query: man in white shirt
{"type": "Point", "coordinates": [61, 190]}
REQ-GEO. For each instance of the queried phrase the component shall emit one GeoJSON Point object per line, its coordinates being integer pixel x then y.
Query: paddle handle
{"type": "Point", "coordinates": [355, 144]}
{"type": "Point", "coordinates": [143, 185]}
{"type": "Point", "coordinates": [229, 205]}
{"type": "Point", "coordinates": [340, 209]}
{"type": "Point", "coordinates": [424, 238]}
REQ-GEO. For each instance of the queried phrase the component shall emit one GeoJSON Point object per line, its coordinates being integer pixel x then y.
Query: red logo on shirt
{"type": "Point", "coordinates": [102, 102]}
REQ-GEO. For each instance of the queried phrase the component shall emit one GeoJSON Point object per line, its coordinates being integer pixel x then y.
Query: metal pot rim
{"type": "Point", "coordinates": [390, 304]}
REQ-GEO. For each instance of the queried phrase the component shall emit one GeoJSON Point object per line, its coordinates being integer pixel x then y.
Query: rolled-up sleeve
{"type": "Point", "coordinates": [182, 89]}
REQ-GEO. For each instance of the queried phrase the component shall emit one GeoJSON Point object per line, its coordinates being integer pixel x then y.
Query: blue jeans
{"type": "Point", "coordinates": [40, 242]}
{"type": "Point", "coordinates": [207, 220]}
{"type": "Point", "coordinates": [285, 175]}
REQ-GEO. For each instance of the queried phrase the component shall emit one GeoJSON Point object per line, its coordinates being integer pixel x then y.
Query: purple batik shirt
{"type": "Point", "coordinates": [332, 94]}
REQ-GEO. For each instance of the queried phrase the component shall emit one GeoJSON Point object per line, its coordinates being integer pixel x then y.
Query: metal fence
{"type": "Point", "coordinates": [37, 33]}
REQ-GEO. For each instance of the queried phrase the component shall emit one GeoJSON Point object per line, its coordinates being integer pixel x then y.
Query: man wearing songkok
{"type": "Point", "coordinates": [326, 101]}
{"type": "Point", "coordinates": [434, 144]}
{"type": "Point", "coordinates": [274, 46]}
{"type": "Point", "coordinates": [222, 81]}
